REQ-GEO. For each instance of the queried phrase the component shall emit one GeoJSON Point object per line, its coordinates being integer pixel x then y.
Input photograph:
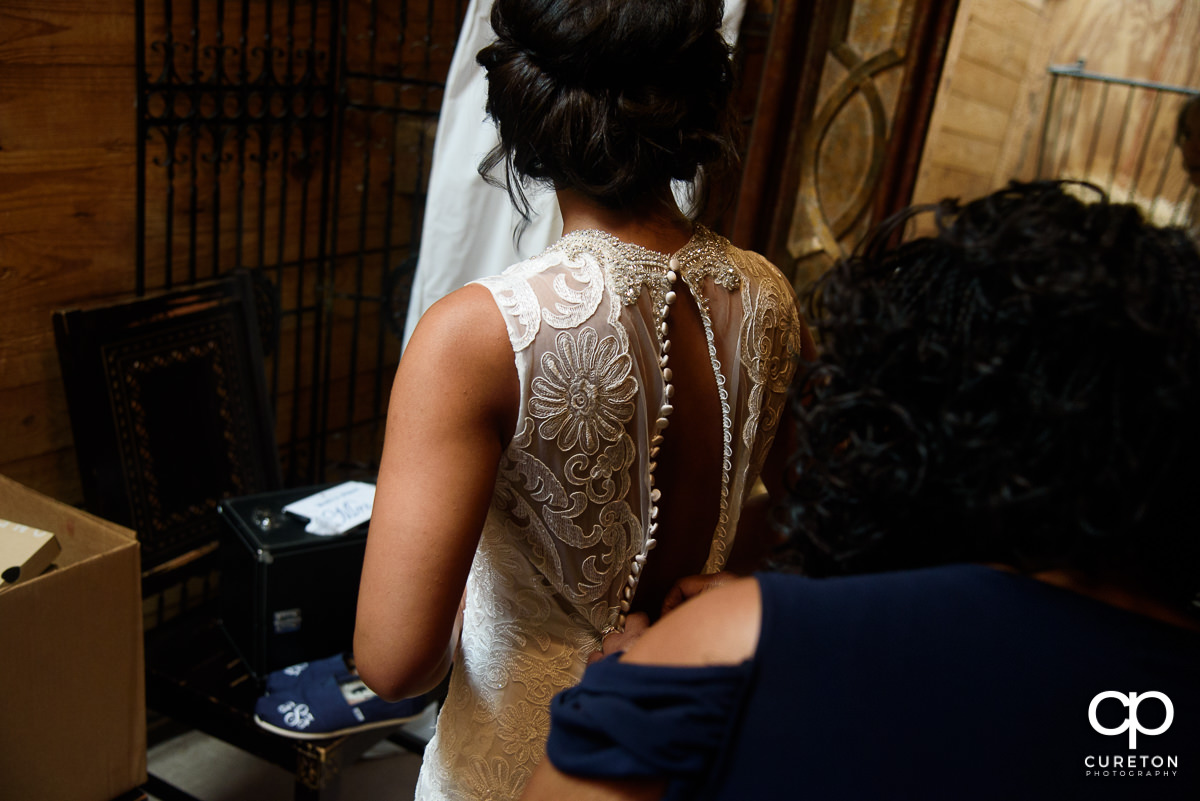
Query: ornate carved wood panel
{"type": "Point", "coordinates": [846, 94]}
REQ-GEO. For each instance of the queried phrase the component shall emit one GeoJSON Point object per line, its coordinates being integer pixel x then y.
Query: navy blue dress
{"type": "Point", "coordinates": [957, 682]}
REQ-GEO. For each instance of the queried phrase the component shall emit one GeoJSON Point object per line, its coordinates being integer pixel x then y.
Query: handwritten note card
{"type": "Point", "coordinates": [337, 509]}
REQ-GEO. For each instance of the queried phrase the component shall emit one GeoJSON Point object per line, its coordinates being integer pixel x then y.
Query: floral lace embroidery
{"type": "Point", "coordinates": [771, 368]}
{"type": "Point", "coordinates": [573, 508]}
{"type": "Point", "coordinates": [585, 393]}
{"type": "Point", "coordinates": [495, 780]}
{"type": "Point", "coordinates": [578, 291]}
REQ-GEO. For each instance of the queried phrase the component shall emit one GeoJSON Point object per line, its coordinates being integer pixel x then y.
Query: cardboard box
{"type": "Point", "coordinates": [72, 677]}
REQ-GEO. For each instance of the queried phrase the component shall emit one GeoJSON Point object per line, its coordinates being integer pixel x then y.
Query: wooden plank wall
{"type": "Point", "coordinates": [68, 211]}
{"type": "Point", "coordinates": [995, 45]}
{"type": "Point", "coordinates": [67, 208]}
{"type": "Point", "coordinates": [987, 120]}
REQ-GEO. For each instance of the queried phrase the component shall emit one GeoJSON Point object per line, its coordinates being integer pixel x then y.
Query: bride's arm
{"type": "Point", "coordinates": [452, 409]}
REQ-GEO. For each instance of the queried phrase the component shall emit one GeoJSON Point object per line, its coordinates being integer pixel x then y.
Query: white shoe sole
{"type": "Point", "coordinates": [328, 735]}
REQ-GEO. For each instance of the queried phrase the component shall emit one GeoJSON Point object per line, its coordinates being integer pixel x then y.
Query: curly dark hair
{"type": "Point", "coordinates": [1021, 387]}
{"type": "Point", "coordinates": [612, 98]}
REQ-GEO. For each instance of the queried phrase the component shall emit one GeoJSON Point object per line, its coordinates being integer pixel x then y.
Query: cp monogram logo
{"type": "Point", "coordinates": [1131, 722]}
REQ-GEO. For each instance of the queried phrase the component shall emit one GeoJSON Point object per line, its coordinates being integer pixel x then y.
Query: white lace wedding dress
{"type": "Point", "coordinates": [573, 517]}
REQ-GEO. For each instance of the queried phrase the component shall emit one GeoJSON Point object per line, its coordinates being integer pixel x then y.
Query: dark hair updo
{"type": "Point", "coordinates": [611, 98]}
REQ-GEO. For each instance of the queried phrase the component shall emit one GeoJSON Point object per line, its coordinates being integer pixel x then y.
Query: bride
{"type": "Point", "coordinates": [567, 439]}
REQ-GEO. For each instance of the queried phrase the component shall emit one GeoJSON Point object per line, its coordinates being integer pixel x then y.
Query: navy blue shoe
{"type": "Point", "coordinates": [286, 678]}
{"type": "Point", "coordinates": [316, 710]}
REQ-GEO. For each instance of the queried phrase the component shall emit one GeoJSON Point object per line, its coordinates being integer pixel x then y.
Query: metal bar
{"type": "Point", "coordinates": [1144, 150]}
{"type": "Point", "coordinates": [171, 139]}
{"type": "Point", "coordinates": [193, 196]}
{"type": "Point", "coordinates": [239, 228]}
{"type": "Point", "coordinates": [143, 94]}
{"type": "Point", "coordinates": [415, 231]}
{"type": "Point", "coordinates": [194, 33]}
{"type": "Point", "coordinates": [365, 181]}
{"type": "Point", "coordinates": [377, 399]}
{"type": "Point", "coordinates": [242, 82]}
{"type": "Point", "coordinates": [289, 128]}
{"type": "Point", "coordinates": [1178, 217]}
{"type": "Point", "coordinates": [219, 50]}
{"type": "Point", "coordinates": [269, 44]}
{"type": "Point", "coordinates": [1095, 138]}
{"type": "Point", "coordinates": [324, 262]}
{"type": "Point", "coordinates": [1065, 151]}
{"type": "Point", "coordinates": [1041, 157]}
{"type": "Point", "coordinates": [192, 125]}
{"type": "Point", "coordinates": [243, 48]}
{"type": "Point", "coordinates": [360, 262]}
{"type": "Point", "coordinates": [306, 82]}
{"type": "Point", "coordinates": [265, 78]}
{"type": "Point", "coordinates": [1076, 71]}
{"type": "Point", "coordinates": [402, 37]}
{"type": "Point", "coordinates": [264, 158]}
{"type": "Point", "coordinates": [319, 308]}
{"type": "Point", "coordinates": [1118, 147]}
{"type": "Point", "coordinates": [218, 143]}
{"type": "Point", "coordinates": [286, 133]}
{"type": "Point", "coordinates": [427, 53]}
{"type": "Point", "coordinates": [340, 86]}
{"type": "Point", "coordinates": [269, 82]}
{"type": "Point", "coordinates": [1158, 189]}
{"type": "Point", "coordinates": [219, 132]}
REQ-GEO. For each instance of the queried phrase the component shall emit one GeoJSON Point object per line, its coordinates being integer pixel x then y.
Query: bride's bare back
{"type": "Point", "coordinates": [689, 464]}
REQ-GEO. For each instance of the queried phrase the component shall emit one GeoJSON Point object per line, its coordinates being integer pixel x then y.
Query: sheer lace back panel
{"type": "Point", "coordinates": [575, 516]}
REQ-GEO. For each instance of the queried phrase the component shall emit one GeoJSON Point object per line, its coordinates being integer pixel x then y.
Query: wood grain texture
{"type": "Point", "coordinates": [55, 472]}
{"type": "Point", "coordinates": [67, 189]}
{"type": "Point", "coordinates": [995, 86]}
{"type": "Point", "coordinates": [66, 33]}
{"type": "Point", "coordinates": [964, 153]}
{"type": "Point", "coordinates": [997, 48]}
{"type": "Point", "coordinates": [68, 204]}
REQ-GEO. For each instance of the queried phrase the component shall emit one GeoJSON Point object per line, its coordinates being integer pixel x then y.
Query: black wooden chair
{"type": "Point", "coordinates": [170, 415]}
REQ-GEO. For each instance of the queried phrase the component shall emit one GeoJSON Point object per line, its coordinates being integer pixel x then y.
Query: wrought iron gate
{"type": "Point", "coordinates": [292, 138]}
{"type": "Point", "coordinates": [1119, 134]}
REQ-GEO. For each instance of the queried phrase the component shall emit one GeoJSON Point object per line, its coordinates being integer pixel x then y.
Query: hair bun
{"type": "Point", "coordinates": [612, 43]}
{"type": "Point", "coordinates": [613, 98]}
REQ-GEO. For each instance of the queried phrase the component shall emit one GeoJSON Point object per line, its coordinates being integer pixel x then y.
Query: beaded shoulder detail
{"type": "Point", "coordinates": [632, 267]}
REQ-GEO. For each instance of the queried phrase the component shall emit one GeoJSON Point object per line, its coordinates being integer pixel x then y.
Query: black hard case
{"type": "Point", "coordinates": [287, 596]}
